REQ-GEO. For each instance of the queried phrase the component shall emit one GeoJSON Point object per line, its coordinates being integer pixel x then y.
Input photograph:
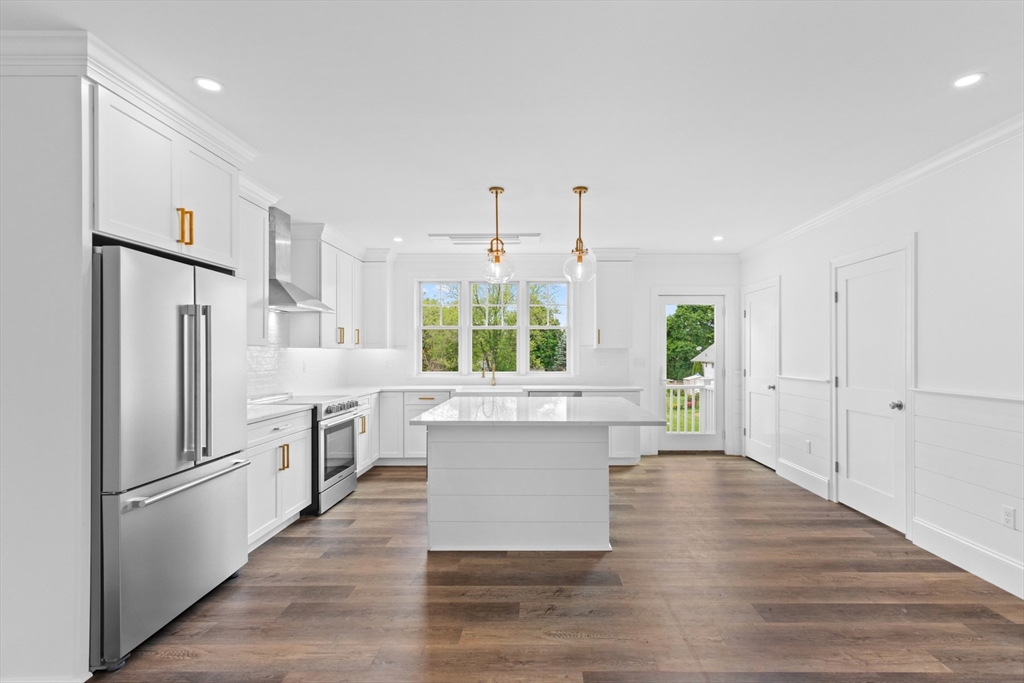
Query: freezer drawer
{"type": "Point", "coordinates": [166, 545]}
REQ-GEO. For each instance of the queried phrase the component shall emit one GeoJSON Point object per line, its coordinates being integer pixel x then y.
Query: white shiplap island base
{"type": "Point", "coordinates": [517, 473]}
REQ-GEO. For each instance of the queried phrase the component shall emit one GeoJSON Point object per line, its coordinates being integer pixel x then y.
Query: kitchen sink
{"type": "Point", "coordinates": [489, 391]}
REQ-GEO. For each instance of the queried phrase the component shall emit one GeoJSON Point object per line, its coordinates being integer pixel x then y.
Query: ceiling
{"type": "Point", "coordinates": [686, 120]}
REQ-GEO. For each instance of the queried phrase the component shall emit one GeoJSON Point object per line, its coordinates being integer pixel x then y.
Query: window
{"type": "Point", "coordinates": [495, 327]}
{"type": "Point", "coordinates": [549, 329]}
{"type": "Point", "coordinates": [518, 327]}
{"type": "Point", "coordinates": [439, 326]}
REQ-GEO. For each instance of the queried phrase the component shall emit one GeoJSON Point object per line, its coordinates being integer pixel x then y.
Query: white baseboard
{"type": "Point", "coordinates": [72, 679]}
{"type": "Point", "coordinates": [997, 569]}
{"type": "Point", "coordinates": [815, 483]}
{"type": "Point", "coordinates": [273, 532]}
{"type": "Point", "coordinates": [400, 462]}
{"type": "Point", "coordinates": [626, 460]}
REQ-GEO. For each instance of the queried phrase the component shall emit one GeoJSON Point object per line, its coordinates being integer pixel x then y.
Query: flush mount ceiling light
{"type": "Point", "coordinates": [208, 84]}
{"type": "Point", "coordinates": [396, 239]}
{"type": "Point", "coordinates": [718, 238]}
{"type": "Point", "coordinates": [968, 80]}
{"type": "Point", "coordinates": [581, 266]}
{"type": "Point", "coordinates": [497, 267]}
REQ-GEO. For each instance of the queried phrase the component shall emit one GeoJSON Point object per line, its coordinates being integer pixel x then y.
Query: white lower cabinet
{"type": "Point", "coordinates": [392, 433]}
{"type": "Point", "coordinates": [280, 476]}
{"type": "Point", "coordinates": [623, 442]}
{"type": "Point", "coordinates": [417, 403]}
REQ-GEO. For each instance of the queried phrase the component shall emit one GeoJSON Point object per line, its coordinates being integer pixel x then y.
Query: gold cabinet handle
{"type": "Point", "coordinates": [191, 228]}
{"type": "Point", "coordinates": [599, 335]}
{"type": "Point", "coordinates": [426, 398]}
{"type": "Point", "coordinates": [341, 335]}
{"type": "Point", "coordinates": [357, 335]}
{"type": "Point", "coordinates": [181, 228]}
{"type": "Point", "coordinates": [287, 456]}
{"type": "Point", "coordinates": [362, 424]}
{"type": "Point", "coordinates": [283, 465]}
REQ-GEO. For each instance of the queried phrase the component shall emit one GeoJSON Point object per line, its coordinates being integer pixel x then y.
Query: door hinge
{"type": "Point", "coordinates": [744, 431]}
{"type": "Point", "coordinates": [837, 297]}
{"type": "Point", "coordinates": [837, 467]}
{"type": "Point", "coordinates": [744, 372]}
{"type": "Point", "coordinates": [837, 381]}
{"type": "Point", "coordinates": [744, 314]}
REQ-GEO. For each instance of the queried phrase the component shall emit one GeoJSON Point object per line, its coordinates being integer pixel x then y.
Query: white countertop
{"type": "Point", "coordinates": [479, 384]}
{"type": "Point", "coordinates": [517, 410]}
{"type": "Point", "coordinates": [259, 412]}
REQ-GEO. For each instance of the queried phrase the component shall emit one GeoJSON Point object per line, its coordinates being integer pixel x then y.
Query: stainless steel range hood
{"type": "Point", "coordinates": [284, 296]}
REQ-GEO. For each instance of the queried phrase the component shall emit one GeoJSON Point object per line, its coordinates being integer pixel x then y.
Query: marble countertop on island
{"type": "Point", "coordinates": [522, 411]}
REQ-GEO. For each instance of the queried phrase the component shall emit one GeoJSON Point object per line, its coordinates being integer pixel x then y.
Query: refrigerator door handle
{"type": "Point", "coordinates": [207, 344]}
{"type": "Point", "coordinates": [143, 502]}
{"type": "Point", "coordinates": [188, 392]}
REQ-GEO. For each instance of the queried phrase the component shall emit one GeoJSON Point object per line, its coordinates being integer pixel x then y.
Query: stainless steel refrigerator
{"type": "Point", "coordinates": [169, 500]}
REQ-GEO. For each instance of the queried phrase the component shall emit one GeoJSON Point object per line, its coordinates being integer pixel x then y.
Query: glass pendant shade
{"type": "Point", "coordinates": [580, 267]}
{"type": "Point", "coordinates": [498, 271]}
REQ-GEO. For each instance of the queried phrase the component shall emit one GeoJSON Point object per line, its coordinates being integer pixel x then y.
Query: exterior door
{"type": "Point", "coordinates": [761, 370]}
{"type": "Point", "coordinates": [871, 352]}
{"type": "Point", "coordinates": [689, 332]}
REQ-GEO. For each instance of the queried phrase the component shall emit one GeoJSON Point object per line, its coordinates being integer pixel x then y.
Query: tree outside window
{"type": "Point", "coordinates": [439, 331]}
{"type": "Point", "coordinates": [548, 327]}
{"type": "Point", "coordinates": [495, 311]}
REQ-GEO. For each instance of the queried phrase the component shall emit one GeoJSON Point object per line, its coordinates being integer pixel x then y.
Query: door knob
{"type": "Point", "coordinates": [772, 387]}
{"type": "Point", "coordinates": [896, 405]}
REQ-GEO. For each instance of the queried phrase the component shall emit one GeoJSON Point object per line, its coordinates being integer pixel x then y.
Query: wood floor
{"type": "Point", "coordinates": [721, 572]}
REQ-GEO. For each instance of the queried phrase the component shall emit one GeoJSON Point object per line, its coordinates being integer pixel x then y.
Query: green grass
{"type": "Point", "coordinates": [672, 405]}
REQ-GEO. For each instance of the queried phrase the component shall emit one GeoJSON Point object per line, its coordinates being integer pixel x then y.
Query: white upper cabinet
{"type": "Point", "coordinates": [254, 266]}
{"type": "Point", "coordinates": [613, 321]}
{"type": "Point", "coordinates": [335, 277]}
{"type": "Point", "coordinates": [156, 187]}
{"type": "Point", "coordinates": [373, 320]}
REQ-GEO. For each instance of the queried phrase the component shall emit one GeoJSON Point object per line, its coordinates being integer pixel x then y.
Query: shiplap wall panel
{"type": "Point", "coordinates": [518, 508]}
{"type": "Point", "coordinates": [506, 482]}
{"type": "Point", "coordinates": [1000, 444]}
{"type": "Point", "coordinates": [516, 535]}
{"type": "Point", "coordinates": [804, 415]}
{"type": "Point", "coordinates": [968, 463]}
{"type": "Point", "coordinates": [456, 455]}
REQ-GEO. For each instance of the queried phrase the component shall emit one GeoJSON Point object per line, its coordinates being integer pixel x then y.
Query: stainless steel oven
{"type": "Point", "coordinates": [334, 472]}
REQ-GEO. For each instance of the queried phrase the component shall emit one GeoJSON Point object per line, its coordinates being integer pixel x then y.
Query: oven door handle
{"type": "Point", "coordinates": [327, 424]}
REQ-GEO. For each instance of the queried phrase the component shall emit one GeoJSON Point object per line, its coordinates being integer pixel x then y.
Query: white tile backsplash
{"type": "Point", "coordinates": [276, 368]}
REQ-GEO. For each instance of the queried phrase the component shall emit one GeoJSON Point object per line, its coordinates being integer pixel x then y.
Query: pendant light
{"type": "Point", "coordinates": [498, 268]}
{"type": "Point", "coordinates": [581, 266]}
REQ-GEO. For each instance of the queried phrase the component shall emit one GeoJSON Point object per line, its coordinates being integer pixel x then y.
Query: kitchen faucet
{"type": "Point", "coordinates": [483, 371]}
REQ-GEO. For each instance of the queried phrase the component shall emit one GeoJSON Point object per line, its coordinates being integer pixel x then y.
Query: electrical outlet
{"type": "Point", "coordinates": [1009, 516]}
{"type": "Point", "coordinates": [389, 362]}
{"type": "Point", "coordinates": [639, 362]}
{"type": "Point", "coordinates": [599, 362]}
{"type": "Point", "coordinates": [807, 442]}
{"type": "Point", "coordinates": [303, 367]}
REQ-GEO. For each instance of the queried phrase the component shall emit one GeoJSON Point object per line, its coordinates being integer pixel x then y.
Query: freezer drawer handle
{"type": "Point", "coordinates": [145, 502]}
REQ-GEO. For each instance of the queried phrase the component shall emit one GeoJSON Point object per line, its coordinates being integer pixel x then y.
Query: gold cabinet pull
{"type": "Point", "coordinates": [191, 228]}
{"type": "Point", "coordinates": [181, 228]}
{"type": "Point", "coordinates": [287, 456]}
{"type": "Point", "coordinates": [362, 424]}
{"type": "Point", "coordinates": [341, 335]}
{"type": "Point", "coordinates": [599, 335]}
{"type": "Point", "coordinates": [357, 335]}
{"type": "Point", "coordinates": [426, 398]}
{"type": "Point", "coordinates": [283, 465]}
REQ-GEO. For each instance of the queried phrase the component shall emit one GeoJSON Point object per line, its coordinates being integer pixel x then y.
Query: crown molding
{"type": "Point", "coordinates": [255, 193]}
{"type": "Point", "coordinates": [984, 141]}
{"type": "Point", "coordinates": [659, 256]}
{"type": "Point", "coordinates": [378, 255]}
{"type": "Point", "coordinates": [602, 254]}
{"type": "Point", "coordinates": [79, 53]}
{"type": "Point", "coordinates": [330, 235]}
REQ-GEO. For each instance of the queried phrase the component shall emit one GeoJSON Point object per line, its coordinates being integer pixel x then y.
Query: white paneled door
{"type": "Point", "coordinates": [871, 365]}
{"type": "Point", "coordinates": [761, 370]}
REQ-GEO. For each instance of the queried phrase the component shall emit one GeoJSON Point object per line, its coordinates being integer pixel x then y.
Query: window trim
{"type": "Point", "coordinates": [522, 328]}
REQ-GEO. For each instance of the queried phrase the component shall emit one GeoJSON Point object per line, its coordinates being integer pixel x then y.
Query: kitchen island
{"type": "Point", "coordinates": [518, 473]}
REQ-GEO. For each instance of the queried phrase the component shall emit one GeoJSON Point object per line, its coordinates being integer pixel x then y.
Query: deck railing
{"type": "Point", "coordinates": [690, 408]}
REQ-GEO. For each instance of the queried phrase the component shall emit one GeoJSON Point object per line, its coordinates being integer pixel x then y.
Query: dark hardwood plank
{"type": "Point", "coordinates": [721, 572]}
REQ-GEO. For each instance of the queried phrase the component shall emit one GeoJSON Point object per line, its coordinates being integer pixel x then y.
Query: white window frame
{"type": "Point", "coordinates": [522, 328]}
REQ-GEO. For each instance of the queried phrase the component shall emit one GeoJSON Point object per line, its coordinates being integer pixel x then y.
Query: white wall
{"type": "Point", "coordinates": [968, 214]}
{"type": "Point", "coordinates": [45, 400]}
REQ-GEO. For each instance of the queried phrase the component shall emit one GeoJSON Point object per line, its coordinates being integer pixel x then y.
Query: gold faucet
{"type": "Point", "coordinates": [483, 371]}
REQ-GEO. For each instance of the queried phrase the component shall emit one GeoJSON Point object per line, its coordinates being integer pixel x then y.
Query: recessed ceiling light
{"type": "Point", "coordinates": [968, 80]}
{"type": "Point", "coordinates": [208, 84]}
{"type": "Point", "coordinates": [718, 238]}
{"type": "Point", "coordinates": [398, 239]}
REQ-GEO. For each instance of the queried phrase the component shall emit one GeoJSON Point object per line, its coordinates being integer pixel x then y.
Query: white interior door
{"type": "Point", "coordinates": [694, 407]}
{"type": "Point", "coordinates": [871, 345]}
{"type": "Point", "coordinates": [761, 369]}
